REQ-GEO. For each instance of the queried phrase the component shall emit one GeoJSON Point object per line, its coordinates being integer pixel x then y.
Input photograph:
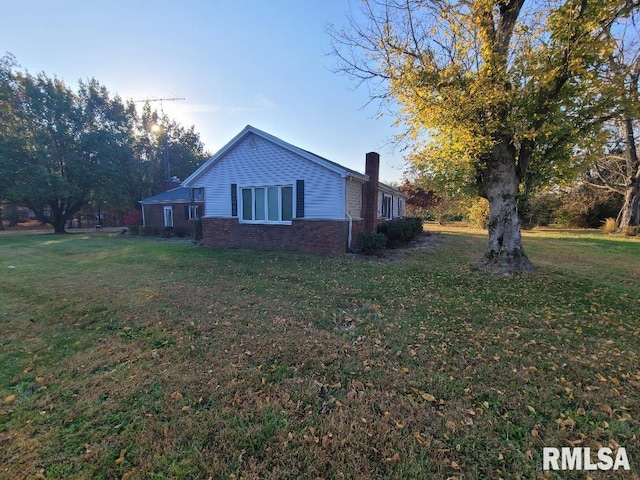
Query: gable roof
{"type": "Point", "coordinates": [175, 195]}
{"type": "Point", "coordinates": [312, 157]}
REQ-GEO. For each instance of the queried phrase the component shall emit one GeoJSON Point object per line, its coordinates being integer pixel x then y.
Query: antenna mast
{"type": "Point", "coordinates": [165, 144]}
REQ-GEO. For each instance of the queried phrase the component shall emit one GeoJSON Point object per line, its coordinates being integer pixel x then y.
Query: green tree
{"type": "Point", "coordinates": [616, 166]}
{"type": "Point", "coordinates": [164, 149]}
{"type": "Point", "coordinates": [63, 149]}
{"type": "Point", "coordinates": [11, 130]}
{"type": "Point", "coordinates": [494, 93]}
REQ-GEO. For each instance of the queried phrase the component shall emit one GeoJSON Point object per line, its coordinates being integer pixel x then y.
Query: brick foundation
{"type": "Point", "coordinates": [313, 236]}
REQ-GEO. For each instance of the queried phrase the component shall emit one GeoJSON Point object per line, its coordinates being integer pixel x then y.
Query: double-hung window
{"type": "Point", "coordinates": [268, 204]}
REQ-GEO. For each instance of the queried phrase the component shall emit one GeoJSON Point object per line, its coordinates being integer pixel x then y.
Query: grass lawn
{"type": "Point", "coordinates": [144, 359]}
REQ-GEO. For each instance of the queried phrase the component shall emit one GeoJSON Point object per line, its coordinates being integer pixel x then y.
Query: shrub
{"type": "Point", "coordinates": [416, 225]}
{"type": "Point", "coordinates": [478, 212]}
{"type": "Point", "coordinates": [400, 232]}
{"type": "Point", "coordinates": [146, 230]}
{"type": "Point", "coordinates": [167, 232]}
{"type": "Point", "coordinates": [134, 229]}
{"type": "Point", "coordinates": [180, 232]}
{"type": "Point", "coordinates": [371, 243]}
{"type": "Point", "coordinates": [610, 225]}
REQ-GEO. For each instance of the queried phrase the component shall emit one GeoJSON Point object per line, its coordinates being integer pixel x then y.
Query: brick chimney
{"type": "Point", "coordinates": [370, 192]}
{"type": "Point", "coordinates": [171, 184]}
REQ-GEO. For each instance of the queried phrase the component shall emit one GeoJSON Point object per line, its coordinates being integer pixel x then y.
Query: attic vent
{"type": "Point", "coordinates": [253, 142]}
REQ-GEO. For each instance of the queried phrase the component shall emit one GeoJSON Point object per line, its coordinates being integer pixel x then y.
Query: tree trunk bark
{"type": "Point", "coordinates": [505, 253]}
{"type": "Point", "coordinates": [58, 221]}
{"type": "Point", "coordinates": [631, 208]}
{"type": "Point", "coordinates": [58, 226]}
{"type": "Point", "coordinates": [630, 212]}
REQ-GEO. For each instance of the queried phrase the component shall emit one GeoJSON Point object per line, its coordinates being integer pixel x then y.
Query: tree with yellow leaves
{"type": "Point", "coordinates": [494, 93]}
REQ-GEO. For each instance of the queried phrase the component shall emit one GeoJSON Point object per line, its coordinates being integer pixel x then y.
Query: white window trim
{"type": "Point", "coordinates": [266, 221]}
{"type": "Point", "coordinates": [193, 212]}
{"type": "Point", "coordinates": [164, 216]}
{"type": "Point", "coordinates": [388, 200]}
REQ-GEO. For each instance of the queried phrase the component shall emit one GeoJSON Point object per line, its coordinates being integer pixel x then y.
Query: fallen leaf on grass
{"type": "Point", "coordinates": [176, 396]}
{"type": "Point", "coordinates": [573, 443]}
{"type": "Point", "coordinates": [128, 474]}
{"type": "Point", "coordinates": [605, 407]}
{"type": "Point", "coordinates": [394, 459]}
{"type": "Point", "coordinates": [358, 385]}
{"type": "Point", "coordinates": [10, 398]}
{"type": "Point", "coordinates": [569, 422]}
{"type": "Point", "coordinates": [120, 459]}
{"type": "Point", "coordinates": [419, 438]}
{"type": "Point", "coordinates": [428, 397]}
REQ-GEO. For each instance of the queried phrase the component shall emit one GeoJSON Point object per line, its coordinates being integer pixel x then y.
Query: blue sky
{"type": "Point", "coordinates": [236, 62]}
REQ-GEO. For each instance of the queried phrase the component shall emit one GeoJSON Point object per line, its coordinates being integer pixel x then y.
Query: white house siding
{"type": "Point", "coordinates": [258, 162]}
{"type": "Point", "coordinates": [354, 198]}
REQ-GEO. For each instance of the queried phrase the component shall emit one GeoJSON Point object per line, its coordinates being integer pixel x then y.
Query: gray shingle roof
{"type": "Point", "coordinates": [175, 195]}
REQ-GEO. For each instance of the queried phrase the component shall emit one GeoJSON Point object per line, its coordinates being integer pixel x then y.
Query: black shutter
{"type": "Point", "coordinates": [299, 198]}
{"type": "Point", "coordinates": [186, 212]}
{"type": "Point", "coordinates": [234, 200]}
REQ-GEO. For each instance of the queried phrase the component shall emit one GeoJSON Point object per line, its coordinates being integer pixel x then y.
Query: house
{"type": "Point", "coordinates": [264, 193]}
{"type": "Point", "coordinates": [176, 208]}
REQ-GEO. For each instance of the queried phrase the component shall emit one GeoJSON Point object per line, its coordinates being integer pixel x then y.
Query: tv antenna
{"type": "Point", "coordinates": [165, 146]}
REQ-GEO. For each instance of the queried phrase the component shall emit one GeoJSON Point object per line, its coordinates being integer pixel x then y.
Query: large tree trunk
{"type": "Point", "coordinates": [499, 184]}
{"type": "Point", "coordinates": [58, 225]}
{"type": "Point", "coordinates": [630, 212]}
{"type": "Point", "coordinates": [58, 218]}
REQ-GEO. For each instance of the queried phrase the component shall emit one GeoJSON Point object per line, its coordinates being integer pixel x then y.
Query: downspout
{"type": "Point", "coordinates": [143, 222]}
{"type": "Point", "coordinates": [346, 211]}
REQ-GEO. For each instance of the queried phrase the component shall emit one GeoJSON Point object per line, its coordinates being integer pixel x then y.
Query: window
{"type": "Point", "coordinates": [387, 207]}
{"type": "Point", "coordinates": [197, 194]}
{"type": "Point", "coordinates": [168, 216]}
{"type": "Point", "coordinates": [272, 204]}
{"type": "Point", "coordinates": [193, 212]}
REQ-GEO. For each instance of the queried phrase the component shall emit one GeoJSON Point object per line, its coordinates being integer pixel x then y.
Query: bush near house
{"type": "Point", "coordinates": [134, 229]}
{"type": "Point", "coordinates": [371, 243]}
{"type": "Point", "coordinates": [400, 232]}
